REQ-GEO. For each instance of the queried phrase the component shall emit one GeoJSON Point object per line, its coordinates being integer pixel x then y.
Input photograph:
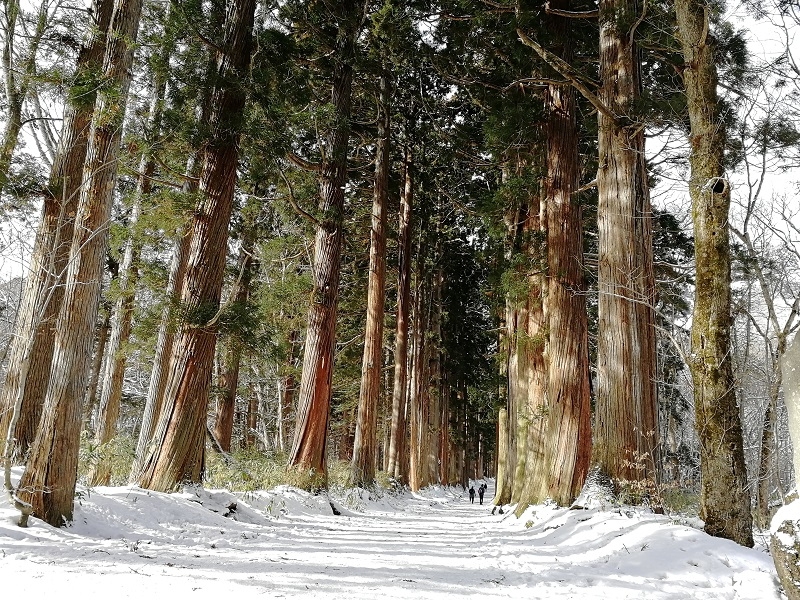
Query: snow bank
{"type": "Point", "coordinates": [131, 543]}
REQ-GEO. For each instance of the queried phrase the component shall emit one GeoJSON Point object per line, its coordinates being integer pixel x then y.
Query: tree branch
{"type": "Point", "coordinates": [166, 167]}
{"type": "Point", "coordinates": [293, 201]}
{"type": "Point", "coordinates": [638, 22]}
{"type": "Point", "coordinates": [303, 163]}
{"type": "Point", "coordinates": [571, 14]}
{"type": "Point", "coordinates": [564, 69]}
{"type": "Point", "coordinates": [586, 186]}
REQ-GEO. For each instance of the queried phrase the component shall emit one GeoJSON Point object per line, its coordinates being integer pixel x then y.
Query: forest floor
{"type": "Point", "coordinates": [284, 543]}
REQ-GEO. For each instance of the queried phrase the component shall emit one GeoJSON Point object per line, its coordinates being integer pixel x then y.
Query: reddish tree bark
{"type": "Point", "coordinates": [560, 447]}
{"type": "Point", "coordinates": [177, 449]}
{"type": "Point", "coordinates": [313, 410]}
{"type": "Point", "coordinates": [626, 444]}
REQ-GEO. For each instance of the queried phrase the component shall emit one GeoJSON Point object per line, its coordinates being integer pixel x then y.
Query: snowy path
{"type": "Point", "coordinates": [127, 543]}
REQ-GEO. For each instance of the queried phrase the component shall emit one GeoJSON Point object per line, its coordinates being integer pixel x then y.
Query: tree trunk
{"type": "Point", "coordinates": [766, 463]}
{"type": "Point", "coordinates": [177, 450]}
{"type": "Point", "coordinates": [502, 453]}
{"type": "Point", "coordinates": [226, 403]}
{"type": "Point", "coordinates": [434, 368]}
{"type": "Point", "coordinates": [163, 352]}
{"type": "Point", "coordinates": [121, 317]}
{"type": "Point", "coordinates": [532, 422]}
{"type": "Point", "coordinates": [252, 420]}
{"type": "Point", "coordinates": [517, 370]}
{"type": "Point", "coordinates": [515, 319]}
{"type": "Point", "coordinates": [52, 468]}
{"type": "Point", "coordinates": [18, 77]}
{"type": "Point", "coordinates": [445, 441]}
{"type": "Point", "coordinates": [166, 332]}
{"type": "Point", "coordinates": [101, 341]}
{"type": "Point", "coordinates": [365, 446]}
{"type": "Point", "coordinates": [31, 351]}
{"type": "Point", "coordinates": [418, 406]}
{"type": "Point", "coordinates": [566, 428]}
{"type": "Point", "coordinates": [502, 493]}
{"type": "Point", "coordinates": [724, 500]}
{"type": "Point", "coordinates": [626, 444]}
{"type": "Point", "coordinates": [400, 388]}
{"type": "Point", "coordinates": [313, 410]}
{"type": "Point", "coordinates": [286, 408]}
{"type": "Point", "coordinates": [229, 380]}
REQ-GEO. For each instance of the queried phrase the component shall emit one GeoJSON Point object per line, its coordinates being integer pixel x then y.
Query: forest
{"type": "Point", "coordinates": [389, 244]}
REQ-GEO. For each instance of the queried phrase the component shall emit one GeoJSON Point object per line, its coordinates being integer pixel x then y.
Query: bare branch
{"type": "Point", "coordinates": [571, 14]}
{"type": "Point", "coordinates": [293, 201]}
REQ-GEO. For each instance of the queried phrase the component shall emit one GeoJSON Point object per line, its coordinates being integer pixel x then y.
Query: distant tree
{"type": "Point", "coordinates": [239, 325]}
{"type": "Point", "coordinates": [22, 42]}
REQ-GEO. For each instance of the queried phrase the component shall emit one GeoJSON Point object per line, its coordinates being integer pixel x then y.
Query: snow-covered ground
{"type": "Point", "coordinates": [284, 543]}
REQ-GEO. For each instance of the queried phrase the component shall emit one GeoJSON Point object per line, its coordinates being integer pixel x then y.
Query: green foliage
{"type": "Point", "coordinates": [251, 470]}
{"type": "Point", "coordinates": [200, 315]}
{"type": "Point", "coordinates": [83, 87]}
{"type": "Point", "coordinates": [247, 471]}
{"type": "Point", "coordinates": [673, 251]}
{"type": "Point", "coordinates": [681, 502]}
{"type": "Point", "coordinates": [120, 452]}
{"type": "Point", "coordinates": [22, 186]}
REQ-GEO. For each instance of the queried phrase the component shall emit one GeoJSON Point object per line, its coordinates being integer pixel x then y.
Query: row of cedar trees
{"type": "Point", "coordinates": [546, 441]}
{"type": "Point", "coordinates": [49, 366]}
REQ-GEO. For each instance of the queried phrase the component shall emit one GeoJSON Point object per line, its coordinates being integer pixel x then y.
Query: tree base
{"type": "Point", "coordinates": [785, 548]}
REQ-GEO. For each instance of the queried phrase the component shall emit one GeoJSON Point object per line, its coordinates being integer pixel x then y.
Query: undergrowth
{"type": "Point", "coordinates": [121, 451]}
{"type": "Point", "coordinates": [241, 471]}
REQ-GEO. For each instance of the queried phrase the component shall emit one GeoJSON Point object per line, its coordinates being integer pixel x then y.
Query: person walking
{"type": "Point", "coordinates": [481, 490]}
{"type": "Point", "coordinates": [472, 494]}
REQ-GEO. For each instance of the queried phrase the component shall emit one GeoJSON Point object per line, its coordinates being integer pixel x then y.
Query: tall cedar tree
{"type": "Point", "coordinates": [177, 451]}
{"type": "Point", "coordinates": [724, 499]}
{"type": "Point", "coordinates": [365, 448]}
{"type": "Point", "coordinates": [626, 444]}
{"type": "Point", "coordinates": [557, 463]}
{"type": "Point", "coordinates": [50, 476]}
{"type": "Point", "coordinates": [31, 351]}
{"type": "Point", "coordinates": [313, 410]}
{"type": "Point", "coordinates": [397, 441]}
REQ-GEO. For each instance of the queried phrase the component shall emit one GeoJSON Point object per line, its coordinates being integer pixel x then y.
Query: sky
{"type": "Point", "coordinates": [128, 543]}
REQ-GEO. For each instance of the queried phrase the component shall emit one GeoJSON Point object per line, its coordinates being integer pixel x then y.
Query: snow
{"type": "Point", "coordinates": [788, 513]}
{"type": "Point", "coordinates": [126, 542]}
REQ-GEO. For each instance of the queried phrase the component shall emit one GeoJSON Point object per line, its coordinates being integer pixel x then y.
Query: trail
{"type": "Point", "coordinates": [129, 543]}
